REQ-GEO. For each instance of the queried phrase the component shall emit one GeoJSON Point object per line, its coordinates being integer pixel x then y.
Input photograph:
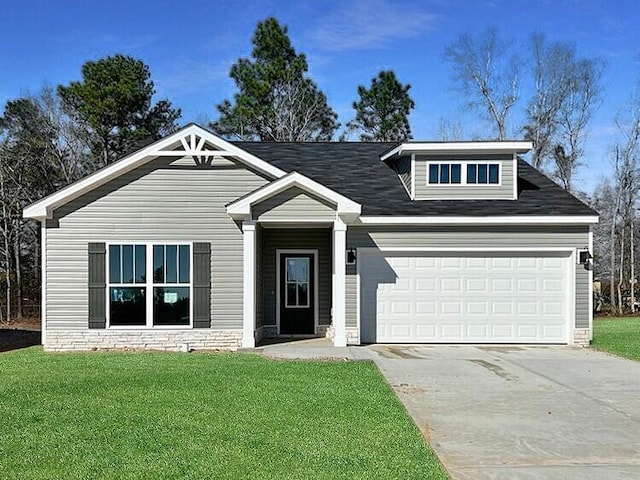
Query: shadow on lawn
{"type": "Point", "coordinates": [15, 338]}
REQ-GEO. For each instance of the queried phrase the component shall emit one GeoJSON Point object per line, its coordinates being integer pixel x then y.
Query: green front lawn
{"type": "Point", "coordinates": [620, 336]}
{"type": "Point", "coordinates": [198, 415]}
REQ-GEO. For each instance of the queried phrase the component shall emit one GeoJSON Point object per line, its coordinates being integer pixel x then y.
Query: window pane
{"type": "Point", "coordinates": [184, 264]}
{"type": "Point", "coordinates": [297, 269]}
{"type": "Point", "coordinates": [433, 173]}
{"type": "Point", "coordinates": [127, 306]}
{"type": "Point", "coordinates": [471, 173]}
{"type": "Point", "coordinates": [303, 294]}
{"type": "Point", "coordinates": [158, 263]}
{"type": "Point", "coordinates": [291, 295]}
{"type": "Point", "coordinates": [482, 174]}
{"type": "Point", "coordinates": [127, 264]}
{"type": "Point", "coordinates": [171, 261]}
{"type": "Point", "coordinates": [114, 264]}
{"type": "Point", "coordinates": [141, 263]}
{"type": "Point", "coordinates": [444, 173]}
{"type": "Point", "coordinates": [455, 173]}
{"type": "Point", "coordinates": [493, 174]}
{"type": "Point", "coordinates": [171, 306]}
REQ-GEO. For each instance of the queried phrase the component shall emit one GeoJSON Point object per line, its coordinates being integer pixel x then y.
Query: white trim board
{"type": "Point", "coordinates": [493, 220]}
{"type": "Point", "coordinates": [44, 208]}
{"type": "Point", "coordinates": [309, 251]}
{"type": "Point", "coordinates": [459, 147]}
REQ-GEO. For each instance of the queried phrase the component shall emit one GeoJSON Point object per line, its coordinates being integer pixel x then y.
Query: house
{"type": "Point", "coordinates": [197, 242]}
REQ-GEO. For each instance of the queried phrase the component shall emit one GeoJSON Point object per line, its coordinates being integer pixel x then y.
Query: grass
{"type": "Point", "coordinates": [162, 415]}
{"type": "Point", "coordinates": [620, 336]}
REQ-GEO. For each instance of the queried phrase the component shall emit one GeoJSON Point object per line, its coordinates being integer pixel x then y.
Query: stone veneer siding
{"type": "Point", "coordinates": [582, 337]}
{"type": "Point", "coordinates": [168, 340]}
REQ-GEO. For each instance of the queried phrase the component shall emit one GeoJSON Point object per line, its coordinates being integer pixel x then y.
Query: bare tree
{"type": "Point", "coordinates": [582, 97]}
{"type": "Point", "coordinates": [450, 131]}
{"type": "Point", "coordinates": [486, 73]}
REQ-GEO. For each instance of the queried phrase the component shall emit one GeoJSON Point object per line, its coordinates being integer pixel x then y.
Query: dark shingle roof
{"type": "Point", "coordinates": [355, 171]}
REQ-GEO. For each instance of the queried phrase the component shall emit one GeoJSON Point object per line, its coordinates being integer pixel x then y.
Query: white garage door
{"type": "Point", "coordinates": [464, 297]}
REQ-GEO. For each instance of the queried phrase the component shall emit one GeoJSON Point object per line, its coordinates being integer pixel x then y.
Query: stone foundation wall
{"type": "Point", "coordinates": [353, 336]}
{"type": "Point", "coordinates": [581, 337]}
{"type": "Point", "coordinates": [169, 340]}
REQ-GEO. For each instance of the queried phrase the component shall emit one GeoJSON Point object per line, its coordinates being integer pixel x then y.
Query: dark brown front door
{"type": "Point", "coordinates": [297, 289]}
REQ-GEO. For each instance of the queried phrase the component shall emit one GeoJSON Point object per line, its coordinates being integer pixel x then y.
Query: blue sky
{"type": "Point", "coordinates": [190, 45]}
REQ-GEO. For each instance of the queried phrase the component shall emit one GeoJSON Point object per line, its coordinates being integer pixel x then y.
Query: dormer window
{"type": "Point", "coordinates": [445, 173]}
{"type": "Point", "coordinates": [463, 173]}
{"type": "Point", "coordinates": [483, 173]}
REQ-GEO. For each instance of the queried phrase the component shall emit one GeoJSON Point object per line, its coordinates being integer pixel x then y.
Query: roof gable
{"type": "Point", "coordinates": [240, 209]}
{"type": "Point", "coordinates": [192, 140]}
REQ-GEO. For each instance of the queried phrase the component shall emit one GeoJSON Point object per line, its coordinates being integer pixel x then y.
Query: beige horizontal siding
{"type": "Point", "coordinates": [424, 191]}
{"type": "Point", "coordinates": [472, 237]}
{"type": "Point", "coordinates": [157, 202]}
{"type": "Point", "coordinates": [294, 203]}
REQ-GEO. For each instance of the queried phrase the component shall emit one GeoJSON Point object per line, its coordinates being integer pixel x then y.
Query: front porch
{"type": "Point", "coordinates": [294, 281]}
{"type": "Point", "coordinates": [294, 254]}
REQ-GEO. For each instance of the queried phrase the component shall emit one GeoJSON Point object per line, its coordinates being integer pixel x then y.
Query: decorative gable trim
{"type": "Point", "coordinates": [192, 140]}
{"type": "Point", "coordinates": [241, 209]}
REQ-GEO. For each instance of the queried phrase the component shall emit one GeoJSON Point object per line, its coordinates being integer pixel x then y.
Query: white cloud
{"type": "Point", "coordinates": [369, 24]}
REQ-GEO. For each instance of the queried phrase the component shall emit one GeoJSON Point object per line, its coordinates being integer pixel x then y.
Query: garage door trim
{"type": "Point", "coordinates": [571, 272]}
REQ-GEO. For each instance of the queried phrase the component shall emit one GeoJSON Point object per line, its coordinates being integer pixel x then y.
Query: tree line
{"type": "Point", "coordinates": [59, 135]}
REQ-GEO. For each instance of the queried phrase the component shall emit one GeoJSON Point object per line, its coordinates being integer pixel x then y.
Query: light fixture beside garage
{"type": "Point", "coordinates": [351, 256]}
{"type": "Point", "coordinates": [584, 256]}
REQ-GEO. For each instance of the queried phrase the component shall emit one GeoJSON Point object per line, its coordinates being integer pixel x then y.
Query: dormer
{"type": "Point", "coordinates": [458, 170]}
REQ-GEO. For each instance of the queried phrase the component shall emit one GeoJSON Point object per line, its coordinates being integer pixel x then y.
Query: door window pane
{"type": "Point", "coordinates": [115, 271]}
{"type": "Point", "coordinates": [291, 299]}
{"type": "Point", "coordinates": [297, 269]}
{"type": "Point", "coordinates": [184, 262]}
{"type": "Point", "coordinates": [297, 282]}
{"type": "Point", "coordinates": [171, 306]}
{"type": "Point", "coordinates": [158, 263]}
{"type": "Point", "coordinates": [127, 306]}
{"type": "Point", "coordinates": [303, 294]}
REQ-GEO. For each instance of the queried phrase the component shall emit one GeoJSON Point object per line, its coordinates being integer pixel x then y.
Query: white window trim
{"type": "Point", "coordinates": [148, 285]}
{"type": "Point", "coordinates": [464, 163]}
{"type": "Point", "coordinates": [279, 253]}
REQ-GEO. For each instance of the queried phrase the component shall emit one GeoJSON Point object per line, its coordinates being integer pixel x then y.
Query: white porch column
{"type": "Point", "coordinates": [339, 291]}
{"type": "Point", "coordinates": [249, 284]}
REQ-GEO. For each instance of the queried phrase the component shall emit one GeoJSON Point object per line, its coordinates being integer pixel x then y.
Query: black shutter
{"type": "Point", "coordinates": [97, 286]}
{"type": "Point", "coordinates": [202, 285]}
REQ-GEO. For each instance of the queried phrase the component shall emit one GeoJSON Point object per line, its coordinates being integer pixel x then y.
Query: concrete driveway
{"type": "Point", "coordinates": [520, 412]}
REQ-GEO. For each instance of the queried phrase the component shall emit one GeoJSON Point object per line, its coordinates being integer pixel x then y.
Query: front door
{"type": "Point", "coordinates": [297, 293]}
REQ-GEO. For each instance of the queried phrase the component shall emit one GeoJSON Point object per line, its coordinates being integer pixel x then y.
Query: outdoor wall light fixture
{"type": "Point", "coordinates": [351, 256]}
{"type": "Point", "coordinates": [584, 256]}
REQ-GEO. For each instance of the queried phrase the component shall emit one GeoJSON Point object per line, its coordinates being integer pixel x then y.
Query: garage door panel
{"type": "Point", "coordinates": [457, 298]}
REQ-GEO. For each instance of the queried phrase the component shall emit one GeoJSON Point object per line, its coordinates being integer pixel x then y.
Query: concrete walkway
{"type": "Point", "coordinates": [311, 349]}
{"type": "Point", "coordinates": [520, 412]}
